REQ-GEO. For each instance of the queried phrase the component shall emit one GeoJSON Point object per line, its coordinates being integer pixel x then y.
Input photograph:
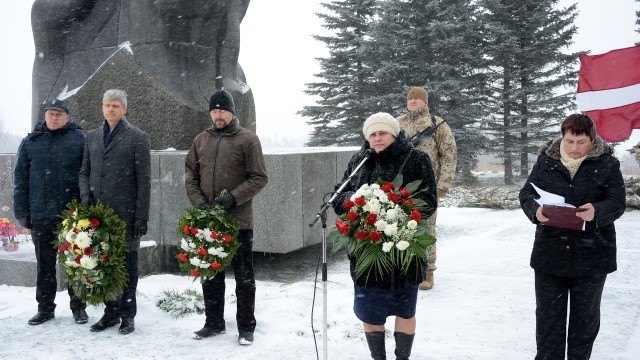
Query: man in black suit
{"type": "Point", "coordinates": [116, 170]}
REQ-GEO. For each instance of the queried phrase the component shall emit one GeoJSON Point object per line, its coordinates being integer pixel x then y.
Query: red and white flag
{"type": "Point", "coordinates": [609, 91]}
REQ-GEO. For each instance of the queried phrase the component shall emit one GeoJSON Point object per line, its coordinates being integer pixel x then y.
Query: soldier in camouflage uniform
{"type": "Point", "coordinates": [441, 148]}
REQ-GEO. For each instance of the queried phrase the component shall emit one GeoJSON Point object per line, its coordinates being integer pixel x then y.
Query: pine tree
{"type": "Point", "coordinates": [344, 79]}
{"type": "Point", "coordinates": [437, 45]}
{"type": "Point", "coordinates": [532, 79]}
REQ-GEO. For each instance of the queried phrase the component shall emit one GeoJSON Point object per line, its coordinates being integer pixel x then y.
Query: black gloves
{"type": "Point", "coordinates": [139, 228]}
{"type": "Point", "coordinates": [227, 201]}
{"type": "Point", "coordinates": [25, 222]}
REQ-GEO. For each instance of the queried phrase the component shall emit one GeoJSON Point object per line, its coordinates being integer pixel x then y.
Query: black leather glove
{"type": "Point", "coordinates": [227, 201]}
{"type": "Point", "coordinates": [25, 222]}
{"type": "Point", "coordinates": [139, 228]}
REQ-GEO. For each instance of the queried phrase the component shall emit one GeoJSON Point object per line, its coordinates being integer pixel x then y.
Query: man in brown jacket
{"type": "Point", "coordinates": [228, 157]}
{"type": "Point", "coordinates": [441, 148]}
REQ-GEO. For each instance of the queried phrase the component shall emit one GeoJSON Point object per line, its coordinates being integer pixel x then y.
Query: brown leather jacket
{"type": "Point", "coordinates": [230, 160]}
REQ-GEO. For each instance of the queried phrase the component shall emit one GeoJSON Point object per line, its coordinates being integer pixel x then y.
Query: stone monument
{"type": "Point", "coordinates": [168, 55]}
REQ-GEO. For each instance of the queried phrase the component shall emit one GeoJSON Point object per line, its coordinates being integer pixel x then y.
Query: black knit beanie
{"type": "Point", "coordinates": [221, 99]}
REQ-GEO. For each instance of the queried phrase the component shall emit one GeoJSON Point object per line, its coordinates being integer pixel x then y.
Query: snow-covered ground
{"type": "Point", "coordinates": [482, 307]}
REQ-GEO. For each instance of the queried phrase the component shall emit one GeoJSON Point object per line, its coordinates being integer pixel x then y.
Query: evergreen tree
{"type": "Point", "coordinates": [437, 45]}
{"type": "Point", "coordinates": [533, 81]}
{"type": "Point", "coordinates": [344, 79]}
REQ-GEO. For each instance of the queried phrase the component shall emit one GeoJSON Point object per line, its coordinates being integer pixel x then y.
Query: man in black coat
{"type": "Point", "coordinates": [45, 181]}
{"type": "Point", "coordinates": [116, 170]}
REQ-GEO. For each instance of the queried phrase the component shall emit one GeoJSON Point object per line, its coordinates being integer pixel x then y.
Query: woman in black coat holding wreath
{"type": "Point", "coordinates": [571, 266]}
{"type": "Point", "coordinates": [395, 294]}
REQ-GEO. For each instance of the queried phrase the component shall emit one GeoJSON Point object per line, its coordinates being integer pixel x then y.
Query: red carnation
{"type": "Point", "coordinates": [72, 213]}
{"type": "Point", "coordinates": [415, 215]}
{"type": "Point", "coordinates": [227, 239]}
{"type": "Point", "coordinates": [408, 202]}
{"type": "Point", "coordinates": [88, 251]}
{"type": "Point", "coordinates": [405, 193]}
{"type": "Point", "coordinates": [360, 201]}
{"type": "Point", "coordinates": [77, 260]}
{"type": "Point", "coordinates": [214, 235]}
{"type": "Point", "coordinates": [342, 227]}
{"type": "Point", "coordinates": [75, 247]}
{"type": "Point", "coordinates": [94, 223]}
{"type": "Point", "coordinates": [62, 248]}
{"type": "Point", "coordinates": [361, 235]}
{"type": "Point", "coordinates": [195, 273]}
{"type": "Point", "coordinates": [194, 231]}
{"type": "Point", "coordinates": [202, 252]}
{"type": "Point", "coordinates": [387, 187]}
{"type": "Point", "coordinates": [75, 230]}
{"type": "Point", "coordinates": [186, 229]}
{"type": "Point", "coordinates": [348, 204]}
{"type": "Point", "coordinates": [393, 197]}
{"type": "Point", "coordinates": [352, 216]}
{"type": "Point", "coordinates": [374, 236]}
{"type": "Point", "coordinates": [216, 265]}
{"type": "Point", "coordinates": [105, 257]}
{"type": "Point", "coordinates": [371, 218]}
{"type": "Point", "coordinates": [182, 257]}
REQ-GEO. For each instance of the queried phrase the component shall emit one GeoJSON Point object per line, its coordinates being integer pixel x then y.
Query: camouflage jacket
{"type": "Point", "coordinates": [441, 146]}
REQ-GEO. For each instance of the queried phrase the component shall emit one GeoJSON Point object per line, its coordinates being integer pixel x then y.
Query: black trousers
{"type": "Point", "coordinates": [43, 236]}
{"type": "Point", "coordinates": [213, 289]}
{"type": "Point", "coordinates": [583, 295]}
{"type": "Point", "coordinates": [125, 306]}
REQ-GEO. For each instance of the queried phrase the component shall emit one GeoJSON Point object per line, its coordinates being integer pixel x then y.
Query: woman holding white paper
{"type": "Point", "coordinates": [571, 266]}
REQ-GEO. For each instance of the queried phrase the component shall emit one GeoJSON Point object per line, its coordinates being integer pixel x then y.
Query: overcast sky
{"type": "Point", "coordinates": [277, 54]}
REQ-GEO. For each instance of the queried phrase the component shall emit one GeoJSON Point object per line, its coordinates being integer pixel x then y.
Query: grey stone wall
{"type": "Point", "coordinates": [298, 183]}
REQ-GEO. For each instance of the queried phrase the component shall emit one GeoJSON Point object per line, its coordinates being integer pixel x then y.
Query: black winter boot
{"type": "Point", "coordinates": [404, 342]}
{"type": "Point", "coordinates": [376, 345]}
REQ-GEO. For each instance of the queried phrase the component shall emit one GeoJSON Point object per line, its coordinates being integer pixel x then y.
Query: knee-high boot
{"type": "Point", "coordinates": [404, 342]}
{"type": "Point", "coordinates": [376, 345]}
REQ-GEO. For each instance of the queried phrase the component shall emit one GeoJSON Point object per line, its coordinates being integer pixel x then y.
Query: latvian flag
{"type": "Point", "coordinates": [609, 91]}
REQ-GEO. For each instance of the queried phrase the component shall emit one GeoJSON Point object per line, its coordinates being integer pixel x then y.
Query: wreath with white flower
{"type": "Point", "coordinates": [92, 248]}
{"type": "Point", "coordinates": [208, 241]}
{"type": "Point", "coordinates": [383, 228]}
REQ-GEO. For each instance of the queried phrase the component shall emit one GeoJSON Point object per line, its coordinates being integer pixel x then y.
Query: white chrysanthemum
{"type": "Point", "coordinates": [83, 240]}
{"type": "Point", "coordinates": [204, 265]}
{"type": "Point", "coordinates": [392, 214]}
{"type": "Point", "coordinates": [402, 245]}
{"type": "Point", "coordinates": [386, 247]}
{"type": "Point", "coordinates": [391, 229]}
{"type": "Point", "coordinates": [380, 225]}
{"type": "Point", "coordinates": [194, 261]}
{"type": "Point", "coordinates": [374, 206]}
{"type": "Point", "coordinates": [205, 234]}
{"type": "Point", "coordinates": [70, 236]}
{"type": "Point", "coordinates": [378, 193]}
{"type": "Point", "coordinates": [374, 186]}
{"type": "Point", "coordinates": [412, 224]}
{"type": "Point", "coordinates": [384, 198]}
{"type": "Point", "coordinates": [191, 245]}
{"type": "Point", "coordinates": [184, 244]}
{"type": "Point", "coordinates": [88, 262]}
{"type": "Point", "coordinates": [71, 263]}
{"type": "Point", "coordinates": [219, 252]}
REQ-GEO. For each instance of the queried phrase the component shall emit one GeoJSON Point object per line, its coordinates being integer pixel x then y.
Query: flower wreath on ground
{"type": "Point", "coordinates": [208, 241]}
{"type": "Point", "coordinates": [92, 249]}
{"type": "Point", "coordinates": [383, 228]}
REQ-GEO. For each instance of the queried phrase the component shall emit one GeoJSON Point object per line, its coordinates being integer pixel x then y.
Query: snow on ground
{"type": "Point", "coordinates": [482, 307]}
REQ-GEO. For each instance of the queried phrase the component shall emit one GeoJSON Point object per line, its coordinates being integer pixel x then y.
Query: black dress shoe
{"type": "Point", "coordinates": [105, 323]}
{"type": "Point", "coordinates": [127, 326]}
{"type": "Point", "coordinates": [208, 331]}
{"type": "Point", "coordinates": [41, 317]}
{"type": "Point", "coordinates": [80, 316]}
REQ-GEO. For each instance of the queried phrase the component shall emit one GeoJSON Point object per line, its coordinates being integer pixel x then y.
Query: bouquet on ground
{"type": "Point", "coordinates": [208, 241]}
{"type": "Point", "coordinates": [92, 248]}
{"type": "Point", "coordinates": [9, 239]}
{"type": "Point", "coordinates": [383, 228]}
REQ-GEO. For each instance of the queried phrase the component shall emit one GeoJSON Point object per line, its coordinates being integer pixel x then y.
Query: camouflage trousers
{"type": "Point", "coordinates": [432, 256]}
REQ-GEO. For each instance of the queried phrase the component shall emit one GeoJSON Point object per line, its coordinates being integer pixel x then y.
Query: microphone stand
{"type": "Point", "coordinates": [322, 215]}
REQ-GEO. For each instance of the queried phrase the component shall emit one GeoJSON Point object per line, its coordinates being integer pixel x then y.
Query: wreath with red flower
{"type": "Point", "coordinates": [383, 227]}
{"type": "Point", "coordinates": [208, 241]}
{"type": "Point", "coordinates": [92, 248]}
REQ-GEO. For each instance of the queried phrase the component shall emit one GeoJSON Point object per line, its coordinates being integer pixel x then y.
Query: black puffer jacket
{"type": "Point", "coordinates": [598, 181]}
{"type": "Point", "coordinates": [386, 165]}
{"type": "Point", "coordinates": [46, 172]}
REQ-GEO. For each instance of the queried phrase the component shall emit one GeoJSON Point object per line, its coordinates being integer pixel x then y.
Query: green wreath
{"type": "Point", "coordinates": [91, 242]}
{"type": "Point", "coordinates": [208, 241]}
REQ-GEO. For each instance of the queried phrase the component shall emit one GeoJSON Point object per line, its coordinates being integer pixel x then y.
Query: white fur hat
{"type": "Point", "coordinates": [381, 122]}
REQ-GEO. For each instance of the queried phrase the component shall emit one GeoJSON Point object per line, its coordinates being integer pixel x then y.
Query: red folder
{"type": "Point", "coordinates": [562, 217]}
